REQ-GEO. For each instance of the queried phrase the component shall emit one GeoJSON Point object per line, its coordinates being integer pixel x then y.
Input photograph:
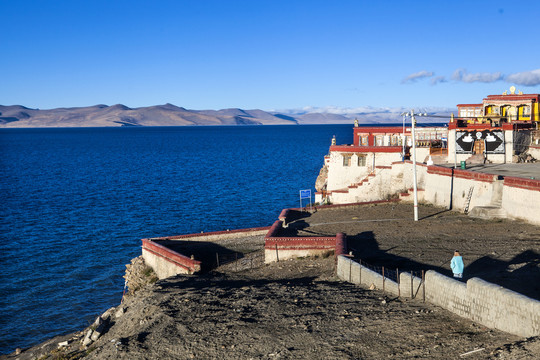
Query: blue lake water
{"type": "Point", "coordinates": [76, 202]}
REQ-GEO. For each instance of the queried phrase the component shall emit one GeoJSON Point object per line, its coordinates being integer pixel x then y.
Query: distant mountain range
{"type": "Point", "coordinates": [17, 116]}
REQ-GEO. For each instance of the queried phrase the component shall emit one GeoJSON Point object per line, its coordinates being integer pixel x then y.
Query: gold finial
{"type": "Point", "coordinates": [512, 90]}
{"type": "Point", "coordinates": [520, 92]}
{"type": "Point", "coordinates": [505, 92]}
{"type": "Point", "coordinates": [452, 117]}
{"type": "Point", "coordinates": [355, 122]}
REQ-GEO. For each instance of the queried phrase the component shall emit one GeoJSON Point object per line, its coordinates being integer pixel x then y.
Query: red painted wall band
{"type": "Point", "coordinates": [236, 231]}
{"type": "Point", "coordinates": [528, 184]}
{"type": "Point", "coordinates": [170, 254]}
{"type": "Point", "coordinates": [167, 259]}
{"type": "Point", "coordinates": [461, 174]}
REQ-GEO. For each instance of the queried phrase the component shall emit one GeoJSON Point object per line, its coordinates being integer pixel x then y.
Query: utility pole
{"type": "Point", "coordinates": [415, 186]}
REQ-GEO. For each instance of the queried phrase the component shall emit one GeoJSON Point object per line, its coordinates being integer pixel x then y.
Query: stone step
{"type": "Point", "coordinates": [488, 212]}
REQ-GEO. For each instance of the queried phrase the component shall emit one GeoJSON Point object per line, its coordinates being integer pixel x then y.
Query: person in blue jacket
{"type": "Point", "coordinates": [457, 265]}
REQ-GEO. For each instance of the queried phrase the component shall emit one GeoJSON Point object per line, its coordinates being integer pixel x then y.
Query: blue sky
{"type": "Point", "coordinates": [271, 55]}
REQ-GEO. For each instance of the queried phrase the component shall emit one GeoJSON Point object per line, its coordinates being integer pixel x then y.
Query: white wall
{"type": "Point", "coordinates": [340, 177]}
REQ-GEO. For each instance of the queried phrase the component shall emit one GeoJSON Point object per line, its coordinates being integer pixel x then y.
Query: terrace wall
{"type": "Point", "coordinates": [518, 198]}
{"type": "Point", "coordinates": [277, 248]}
{"type": "Point", "coordinates": [477, 300]}
{"type": "Point", "coordinates": [166, 262]}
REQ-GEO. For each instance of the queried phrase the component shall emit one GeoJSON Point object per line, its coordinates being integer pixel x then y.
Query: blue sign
{"type": "Point", "coordinates": [305, 194]}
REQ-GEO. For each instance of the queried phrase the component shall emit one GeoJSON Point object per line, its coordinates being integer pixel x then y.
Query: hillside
{"type": "Point", "coordinates": [120, 115]}
{"type": "Point", "coordinates": [17, 116]}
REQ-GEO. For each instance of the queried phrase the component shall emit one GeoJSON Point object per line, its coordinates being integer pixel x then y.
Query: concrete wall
{"type": "Point", "coordinates": [278, 248]}
{"type": "Point", "coordinates": [166, 262]}
{"type": "Point", "coordinates": [340, 177]}
{"type": "Point", "coordinates": [445, 187]}
{"type": "Point", "coordinates": [218, 235]}
{"type": "Point", "coordinates": [534, 150]}
{"type": "Point", "coordinates": [351, 271]}
{"type": "Point", "coordinates": [521, 199]}
{"type": "Point", "coordinates": [477, 300]}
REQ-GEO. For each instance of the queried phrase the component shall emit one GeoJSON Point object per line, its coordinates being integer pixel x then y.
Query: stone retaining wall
{"type": "Point", "coordinates": [478, 300]}
{"type": "Point", "coordinates": [278, 248]}
{"type": "Point", "coordinates": [166, 262]}
{"type": "Point", "coordinates": [519, 198]}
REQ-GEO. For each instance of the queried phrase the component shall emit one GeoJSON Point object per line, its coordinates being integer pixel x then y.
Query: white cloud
{"type": "Point", "coordinates": [418, 75]}
{"type": "Point", "coordinates": [462, 75]}
{"type": "Point", "coordinates": [526, 78]}
{"type": "Point", "coordinates": [353, 111]}
{"type": "Point", "coordinates": [437, 79]}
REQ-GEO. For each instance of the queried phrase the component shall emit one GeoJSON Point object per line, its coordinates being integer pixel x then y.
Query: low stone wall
{"type": "Point", "coordinates": [488, 304]}
{"type": "Point", "coordinates": [353, 272]}
{"type": "Point", "coordinates": [166, 262]}
{"type": "Point", "coordinates": [217, 235]}
{"type": "Point", "coordinates": [278, 248]}
{"type": "Point", "coordinates": [521, 199]}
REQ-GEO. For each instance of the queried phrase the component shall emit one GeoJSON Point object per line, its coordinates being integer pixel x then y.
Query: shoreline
{"type": "Point", "coordinates": [330, 228]}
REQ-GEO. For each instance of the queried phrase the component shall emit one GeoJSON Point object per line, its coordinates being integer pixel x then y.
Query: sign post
{"type": "Point", "coordinates": [305, 194]}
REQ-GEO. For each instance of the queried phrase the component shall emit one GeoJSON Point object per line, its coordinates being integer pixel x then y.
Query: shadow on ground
{"type": "Point", "coordinates": [521, 274]}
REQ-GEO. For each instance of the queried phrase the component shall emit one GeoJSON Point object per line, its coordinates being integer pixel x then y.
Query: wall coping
{"type": "Point", "coordinates": [212, 233]}
{"type": "Point", "coordinates": [366, 149]}
{"type": "Point", "coordinates": [461, 174]}
{"type": "Point", "coordinates": [522, 183]}
{"type": "Point", "coordinates": [169, 255]}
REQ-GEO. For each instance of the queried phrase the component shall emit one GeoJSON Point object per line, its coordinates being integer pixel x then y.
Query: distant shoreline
{"type": "Point", "coordinates": [17, 116]}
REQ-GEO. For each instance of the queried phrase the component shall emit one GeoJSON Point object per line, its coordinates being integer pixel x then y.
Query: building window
{"type": "Point", "coordinates": [361, 160]}
{"type": "Point", "coordinates": [347, 159]}
{"type": "Point", "coordinates": [492, 109]}
{"type": "Point", "coordinates": [379, 140]}
{"type": "Point", "coordinates": [365, 140]}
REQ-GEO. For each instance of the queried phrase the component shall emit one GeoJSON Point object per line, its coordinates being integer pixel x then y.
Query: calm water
{"type": "Point", "coordinates": [76, 202]}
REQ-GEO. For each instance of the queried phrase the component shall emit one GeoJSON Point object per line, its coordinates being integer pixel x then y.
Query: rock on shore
{"type": "Point", "coordinates": [290, 309]}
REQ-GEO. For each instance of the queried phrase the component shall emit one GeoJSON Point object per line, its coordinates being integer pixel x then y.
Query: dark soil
{"type": "Point", "coordinates": [299, 309]}
{"type": "Point", "coordinates": [500, 251]}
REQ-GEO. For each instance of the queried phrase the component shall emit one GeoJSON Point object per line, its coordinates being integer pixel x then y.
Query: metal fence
{"type": "Point", "coordinates": [389, 273]}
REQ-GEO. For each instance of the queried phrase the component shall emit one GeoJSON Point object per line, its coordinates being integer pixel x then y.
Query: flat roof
{"type": "Point", "coordinates": [522, 170]}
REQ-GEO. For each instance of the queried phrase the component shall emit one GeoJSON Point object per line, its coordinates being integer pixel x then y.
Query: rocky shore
{"type": "Point", "coordinates": [298, 309]}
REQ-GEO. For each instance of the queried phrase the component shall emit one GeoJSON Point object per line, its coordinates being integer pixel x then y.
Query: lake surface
{"type": "Point", "coordinates": [76, 202]}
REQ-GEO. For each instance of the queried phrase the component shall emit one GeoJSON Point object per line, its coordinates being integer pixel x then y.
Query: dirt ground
{"type": "Point", "coordinates": [299, 309]}
{"type": "Point", "coordinates": [500, 251]}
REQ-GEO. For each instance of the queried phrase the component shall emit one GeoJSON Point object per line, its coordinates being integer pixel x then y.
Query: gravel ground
{"type": "Point", "coordinates": [500, 251]}
{"type": "Point", "coordinates": [299, 309]}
